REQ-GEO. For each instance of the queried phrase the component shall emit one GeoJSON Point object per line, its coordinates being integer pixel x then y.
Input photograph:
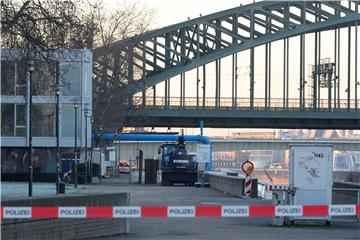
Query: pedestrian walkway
{"type": "Point", "coordinates": [192, 228]}
{"type": "Point", "coordinates": [16, 190]}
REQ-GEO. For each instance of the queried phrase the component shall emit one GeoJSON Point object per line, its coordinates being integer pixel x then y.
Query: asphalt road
{"type": "Point", "coordinates": [217, 228]}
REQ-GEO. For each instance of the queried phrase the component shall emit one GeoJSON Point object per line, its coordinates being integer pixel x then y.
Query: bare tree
{"type": "Point", "coordinates": [110, 94]}
{"type": "Point", "coordinates": [41, 26]}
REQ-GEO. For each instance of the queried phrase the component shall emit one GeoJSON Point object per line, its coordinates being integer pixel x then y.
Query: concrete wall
{"type": "Point", "coordinates": [233, 185]}
{"type": "Point", "coordinates": [65, 228]}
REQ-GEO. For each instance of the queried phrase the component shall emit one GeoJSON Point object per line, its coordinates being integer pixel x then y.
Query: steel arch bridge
{"type": "Point", "coordinates": [159, 55]}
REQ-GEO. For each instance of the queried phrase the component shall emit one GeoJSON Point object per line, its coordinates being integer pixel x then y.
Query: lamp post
{"type": "Point", "coordinates": [91, 150]}
{"type": "Point", "coordinates": [31, 70]}
{"type": "Point", "coordinates": [100, 155]}
{"type": "Point", "coordinates": [86, 111]}
{"type": "Point", "coordinates": [57, 93]}
{"type": "Point", "coordinates": [75, 149]}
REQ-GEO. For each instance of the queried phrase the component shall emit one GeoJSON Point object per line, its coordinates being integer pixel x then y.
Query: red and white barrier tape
{"type": "Point", "coordinates": [179, 211]}
{"type": "Point", "coordinates": [275, 187]}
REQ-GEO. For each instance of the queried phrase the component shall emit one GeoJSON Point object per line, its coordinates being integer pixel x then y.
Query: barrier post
{"type": "Point", "coordinates": [247, 167]}
{"type": "Point", "coordinates": [127, 225]}
{"type": "Point", "coordinates": [248, 185]}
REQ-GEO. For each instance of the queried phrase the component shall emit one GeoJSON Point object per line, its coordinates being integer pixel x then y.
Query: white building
{"type": "Point", "coordinates": [66, 72]}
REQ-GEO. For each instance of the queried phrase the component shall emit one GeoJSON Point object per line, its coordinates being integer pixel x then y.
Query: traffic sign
{"type": "Point", "coordinates": [247, 167]}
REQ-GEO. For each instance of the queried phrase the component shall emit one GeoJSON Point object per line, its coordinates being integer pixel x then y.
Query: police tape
{"type": "Point", "coordinates": [180, 211]}
{"type": "Point", "coordinates": [275, 187]}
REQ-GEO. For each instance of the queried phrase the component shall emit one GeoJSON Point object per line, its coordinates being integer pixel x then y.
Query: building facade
{"type": "Point", "coordinates": [61, 82]}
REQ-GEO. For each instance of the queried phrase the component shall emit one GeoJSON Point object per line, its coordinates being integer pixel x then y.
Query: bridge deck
{"type": "Point", "coordinates": [226, 118]}
{"type": "Point", "coordinates": [157, 112]}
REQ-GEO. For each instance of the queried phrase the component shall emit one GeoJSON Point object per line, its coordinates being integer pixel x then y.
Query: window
{"type": "Point", "coordinates": [13, 124]}
{"type": "Point", "coordinates": [70, 76]}
{"type": "Point", "coordinates": [15, 160]}
{"type": "Point", "coordinates": [44, 78]}
{"type": "Point", "coordinates": [169, 150]}
{"type": "Point", "coordinates": [43, 120]}
{"type": "Point", "coordinates": [20, 115]}
{"type": "Point", "coordinates": [7, 78]}
{"type": "Point", "coordinates": [86, 92]}
{"type": "Point", "coordinates": [68, 121]}
{"type": "Point", "coordinates": [21, 78]}
{"type": "Point", "coordinates": [7, 119]}
{"type": "Point", "coordinates": [20, 127]}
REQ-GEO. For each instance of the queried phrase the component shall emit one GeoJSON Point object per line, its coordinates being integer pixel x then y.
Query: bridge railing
{"type": "Point", "coordinates": [275, 104]}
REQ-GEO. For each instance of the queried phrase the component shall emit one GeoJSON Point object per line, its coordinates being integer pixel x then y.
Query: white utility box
{"type": "Point", "coordinates": [311, 176]}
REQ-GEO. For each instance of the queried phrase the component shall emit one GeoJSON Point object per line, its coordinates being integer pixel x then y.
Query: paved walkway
{"type": "Point", "coordinates": [220, 228]}
{"type": "Point", "coordinates": [194, 228]}
{"type": "Point", "coordinates": [16, 190]}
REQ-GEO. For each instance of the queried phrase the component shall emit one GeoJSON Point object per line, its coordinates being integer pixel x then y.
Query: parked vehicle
{"type": "Point", "coordinates": [123, 166]}
{"type": "Point", "coordinates": [177, 166]}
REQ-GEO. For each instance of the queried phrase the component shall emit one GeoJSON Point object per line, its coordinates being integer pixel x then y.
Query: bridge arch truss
{"type": "Point", "coordinates": [158, 55]}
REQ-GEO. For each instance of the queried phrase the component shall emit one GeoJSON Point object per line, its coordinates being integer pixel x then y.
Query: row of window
{"type": "Point", "coordinates": [13, 120]}
{"type": "Point", "coordinates": [15, 160]}
{"type": "Point", "coordinates": [225, 164]}
{"type": "Point", "coordinates": [14, 77]}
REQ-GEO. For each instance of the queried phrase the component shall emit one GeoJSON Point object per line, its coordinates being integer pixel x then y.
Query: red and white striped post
{"type": "Point", "coordinates": [248, 184]}
{"type": "Point", "coordinates": [248, 168]}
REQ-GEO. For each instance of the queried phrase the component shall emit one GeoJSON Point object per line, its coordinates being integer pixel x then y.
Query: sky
{"type": "Point", "coordinates": [175, 11]}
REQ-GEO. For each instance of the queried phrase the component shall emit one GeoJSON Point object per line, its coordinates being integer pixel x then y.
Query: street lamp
{"type": "Point", "coordinates": [100, 130]}
{"type": "Point", "coordinates": [57, 94]}
{"type": "Point", "coordinates": [91, 150]}
{"type": "Point", "coordinates": [86, 112]}
{"type": "Point", "coordinates": [75, 149]}
{"type": "Point", "coordinates": [31, 70]}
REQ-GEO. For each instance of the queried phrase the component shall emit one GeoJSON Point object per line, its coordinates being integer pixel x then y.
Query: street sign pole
{"type": "Point", "coordinates": [139, 156]}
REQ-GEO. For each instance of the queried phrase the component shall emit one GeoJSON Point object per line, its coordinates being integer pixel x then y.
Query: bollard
{"type": "Point", "coordinates": [278, 198]}
{"type": "Point", "coordinates": [127, 225]}
{"type": "Point", "coordinates": [62, 188]}
{"type": "Point", "coordinates": [247, 167]}
{"type": "Point", "coordinates": [248, 185]}
{"type": "Point", "coordinates": [129, 175]}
